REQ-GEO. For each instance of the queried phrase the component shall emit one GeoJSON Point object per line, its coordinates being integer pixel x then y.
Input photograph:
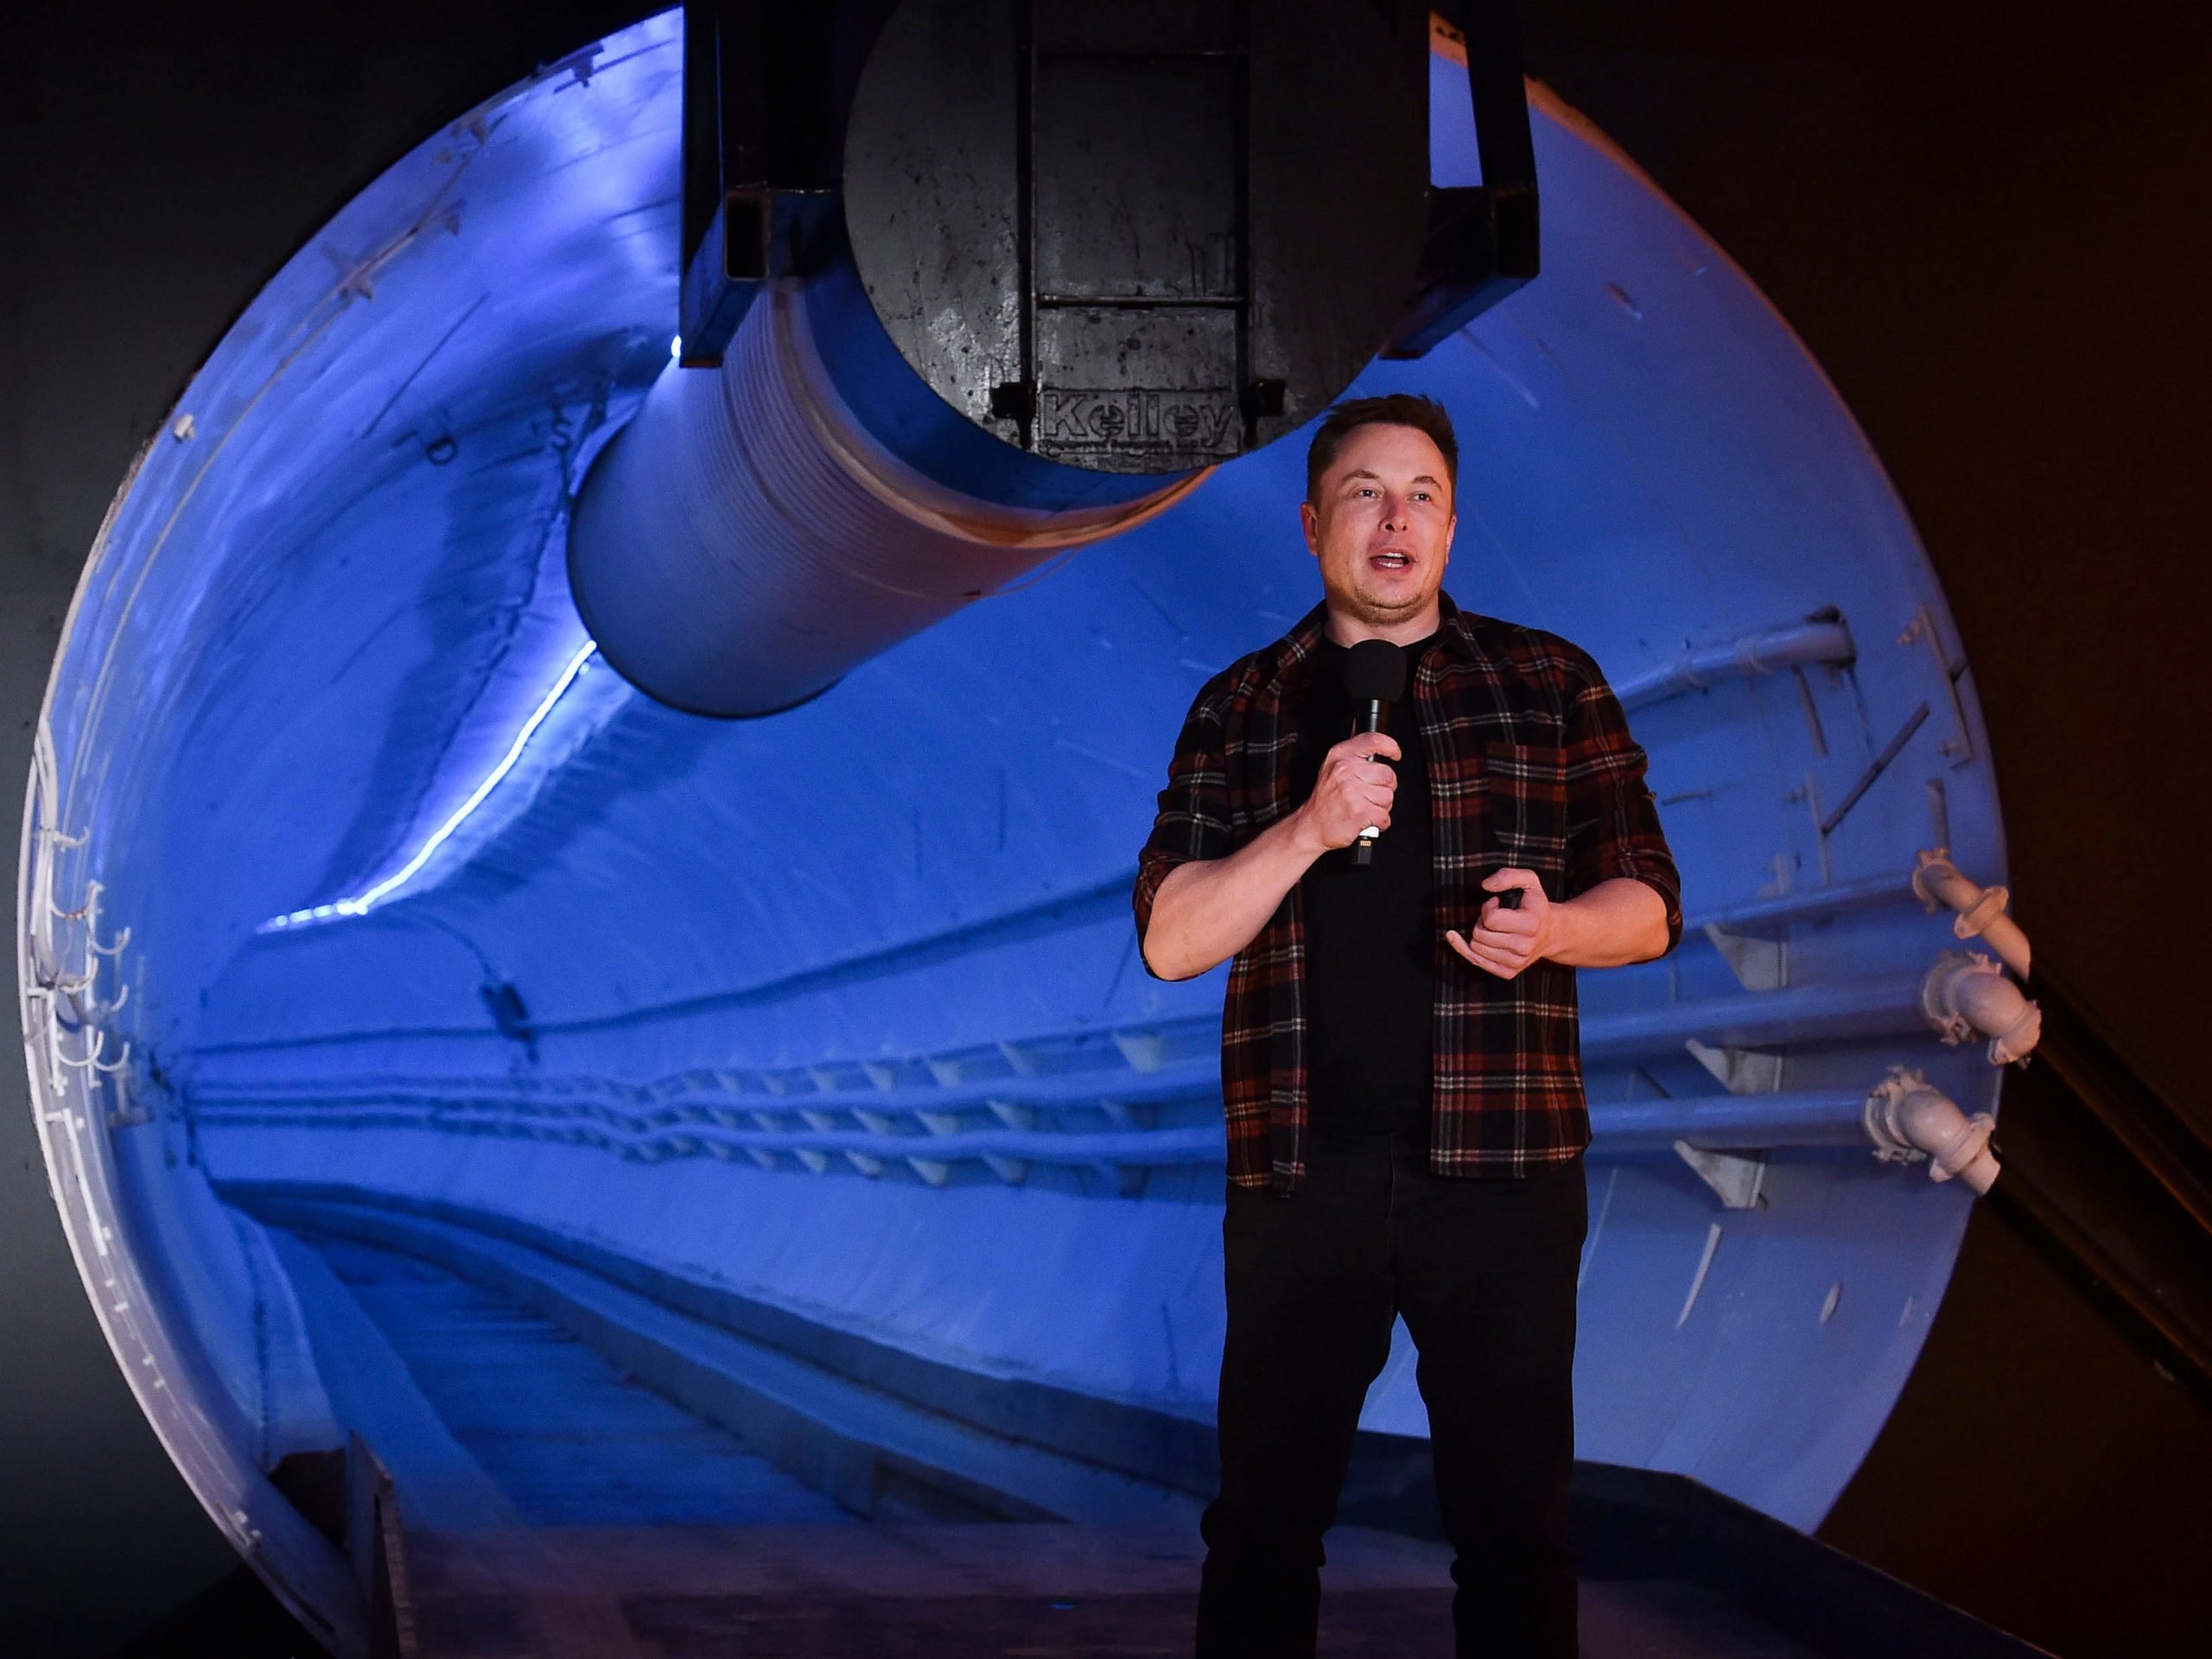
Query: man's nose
{"type": "Point", "coordinates": [1397, 511]}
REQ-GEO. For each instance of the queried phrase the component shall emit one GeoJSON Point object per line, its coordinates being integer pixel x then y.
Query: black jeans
{"type": "Point", "coordinates": [1483, 1271]}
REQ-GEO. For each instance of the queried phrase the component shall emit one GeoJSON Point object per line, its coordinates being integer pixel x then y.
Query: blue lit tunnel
{"type": "Point", "coordinates": [804, 1066]}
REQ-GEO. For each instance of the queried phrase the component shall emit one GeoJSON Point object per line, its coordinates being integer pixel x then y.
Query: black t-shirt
{"type": "Point", "coordinates": [1371, 945]}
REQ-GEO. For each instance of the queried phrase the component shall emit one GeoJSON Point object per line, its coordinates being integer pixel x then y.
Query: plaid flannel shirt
{"type": "Point", "coordinates": [1531, 764]}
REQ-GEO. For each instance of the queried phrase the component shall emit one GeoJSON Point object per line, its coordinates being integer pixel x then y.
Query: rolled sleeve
{"type": "Point", "coordinates": [1612, 819]}
{"type": "Point", "coordinates": [1192, 820]}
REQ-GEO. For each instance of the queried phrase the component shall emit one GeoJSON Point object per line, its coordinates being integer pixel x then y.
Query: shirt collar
{"type": "Point", "coordinates": [1455, 633]}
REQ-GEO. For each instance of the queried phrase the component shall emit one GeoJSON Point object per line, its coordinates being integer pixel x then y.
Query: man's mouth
{"type": "Point", "coordinates": [1391, 559]}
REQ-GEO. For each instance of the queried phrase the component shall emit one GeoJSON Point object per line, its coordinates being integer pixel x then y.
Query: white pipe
{"type": "Point", "coordinates": [1979, 910]}
{"type": "Point", "coordinates": [1966, 994]}
{"type": "Point", "coordinates": [1799, 644]}
{"type": "Point", "coordinates": [1907, 1119]}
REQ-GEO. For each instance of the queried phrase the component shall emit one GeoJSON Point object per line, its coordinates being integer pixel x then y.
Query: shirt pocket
{"type": "Point", "coordinates": [1527, 810]}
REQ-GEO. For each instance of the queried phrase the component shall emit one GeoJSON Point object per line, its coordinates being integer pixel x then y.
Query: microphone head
{"type": "Point", "coordinates": [1375, 671]}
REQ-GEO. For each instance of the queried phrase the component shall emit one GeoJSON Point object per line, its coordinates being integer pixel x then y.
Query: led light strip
{"type": "Point", "coordinates": [362, 903]}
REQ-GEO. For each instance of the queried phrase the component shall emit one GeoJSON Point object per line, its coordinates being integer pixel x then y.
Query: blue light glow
{"type": "Point", "coordinates": [839, 1012]}
{"type": "Point", "coordinates": [361, 904]}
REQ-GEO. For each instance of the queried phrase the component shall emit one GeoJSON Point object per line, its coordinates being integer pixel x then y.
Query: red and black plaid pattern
{"type": "Point", "coordinates": [1530, 765]}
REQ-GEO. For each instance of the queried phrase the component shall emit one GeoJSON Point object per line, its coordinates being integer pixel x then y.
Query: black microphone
{"type": "Point", "coordinates": [1375, 678]}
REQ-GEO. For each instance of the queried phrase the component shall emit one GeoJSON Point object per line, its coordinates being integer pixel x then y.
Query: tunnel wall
{"type": "Point", "coordinates": [310, 623]}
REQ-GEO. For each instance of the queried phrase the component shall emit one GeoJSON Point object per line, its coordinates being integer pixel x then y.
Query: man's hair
{"type": "Point", "coordinates": [1399, 408]}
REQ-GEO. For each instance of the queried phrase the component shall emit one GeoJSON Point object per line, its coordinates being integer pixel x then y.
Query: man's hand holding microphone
{"type": "Point", "coordinates": [1354, 790]}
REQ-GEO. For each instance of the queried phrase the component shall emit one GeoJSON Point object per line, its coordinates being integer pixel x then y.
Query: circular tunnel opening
{"type": "Point", "coordinates": [383, 949]}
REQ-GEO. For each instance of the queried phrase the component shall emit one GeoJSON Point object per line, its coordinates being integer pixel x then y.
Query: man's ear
{"type": "Point", "coordinates": [1310, 522]}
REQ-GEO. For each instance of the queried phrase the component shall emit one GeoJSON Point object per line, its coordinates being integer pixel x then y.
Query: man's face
{"type": "Point", "coordinates": [1381, 524]}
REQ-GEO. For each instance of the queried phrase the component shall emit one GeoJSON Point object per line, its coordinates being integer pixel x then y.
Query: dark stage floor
{"type": "Point", "coordinates": [642, 1531]}
{"type": "Point", "coordinates": [938, 1591]}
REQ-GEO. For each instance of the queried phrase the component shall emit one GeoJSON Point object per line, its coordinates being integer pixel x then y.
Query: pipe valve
{"type": "Point", "coordinates": [1978, 911]}
{"type": "Point", "coordinates": [1909, 1119]}
{"type": "Point", "coordinates": [1967, 995]}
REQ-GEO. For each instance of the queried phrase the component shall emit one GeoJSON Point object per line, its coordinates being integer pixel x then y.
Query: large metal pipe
{"type": "Point", "coordinates": [1013, 287]}
{"type": "Point", "coordinates": [746, 540]}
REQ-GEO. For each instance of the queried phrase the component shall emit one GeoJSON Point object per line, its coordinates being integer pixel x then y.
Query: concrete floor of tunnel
{"type": "Point", "coordinates": [649, 1533]}
{"type": "Point", "coordinates": [569, 1439]}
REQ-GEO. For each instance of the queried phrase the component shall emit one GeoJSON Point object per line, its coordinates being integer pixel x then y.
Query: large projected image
{"type": "Point", "coordinates": [608, 1052]}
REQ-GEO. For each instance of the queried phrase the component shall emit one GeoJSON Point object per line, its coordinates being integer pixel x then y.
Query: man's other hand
{"type": "Point", "coordinates": [1503, 942]}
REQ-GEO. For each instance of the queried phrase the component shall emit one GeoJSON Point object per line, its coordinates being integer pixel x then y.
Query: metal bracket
{"type": "Point", "coordinates": [1736, 1178]}
{"type": "Point", "coordinates": [1759, 964]}
{"type": "Point", "coordinates": [84, 912]}
{"type": "Point", "coordinates": [1958, 748]}
{"type": "Point", "coordinates": [1740, 1071]}
{"type": "Point", "coordinates": [46, 977]}
{"type": "Point", "coordinates": [91, 1058]}
{"type": "Point", "coordinates": [760, 189]}
{"type": "Point", "coordinates": [1124, 1180]}
{"type": "Point", "coordinates": [1483, 240]}
{"type": "Point", "coordinates": [1143, 1051]}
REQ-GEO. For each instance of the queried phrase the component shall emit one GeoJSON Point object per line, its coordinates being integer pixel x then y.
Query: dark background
{"type": "Point", "coordinates": [1987, 221]}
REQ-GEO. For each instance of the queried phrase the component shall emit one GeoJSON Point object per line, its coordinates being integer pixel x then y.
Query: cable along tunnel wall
{"type": "Point", "coordinates": [616, 997]}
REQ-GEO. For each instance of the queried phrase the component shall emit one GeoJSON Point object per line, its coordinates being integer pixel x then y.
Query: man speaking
{"type": "Point", "coordinates": [1400, 1062]}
